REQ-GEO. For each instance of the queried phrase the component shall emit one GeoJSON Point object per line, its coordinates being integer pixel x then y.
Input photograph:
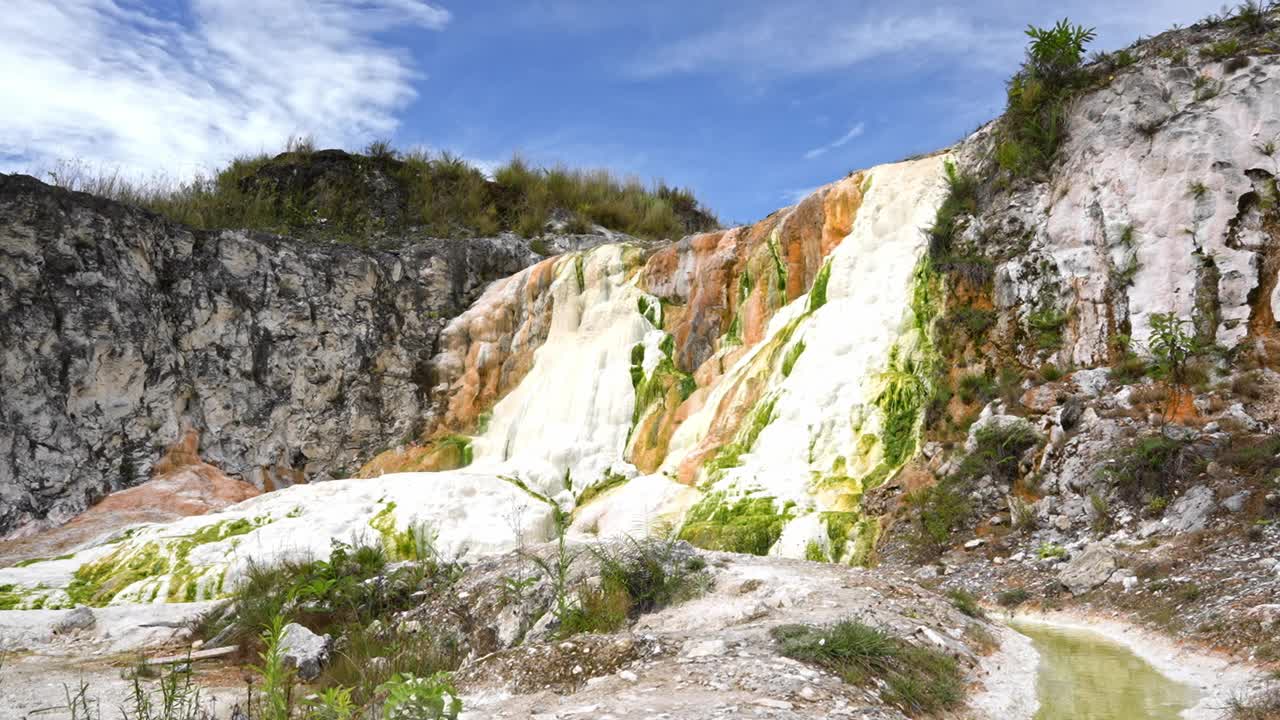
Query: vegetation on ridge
{"type": "Point", "coordinates": [335, 195]}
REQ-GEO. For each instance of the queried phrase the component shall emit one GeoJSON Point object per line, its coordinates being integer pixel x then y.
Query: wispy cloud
{"type": "Point", "coordinates": [764, 41]}
{"type": "Point", "coordinates": [795, 38]}
{"type": "Point", "coordinates": [844, 139]}
{"type": "Point", "coordinates": [114, 82]}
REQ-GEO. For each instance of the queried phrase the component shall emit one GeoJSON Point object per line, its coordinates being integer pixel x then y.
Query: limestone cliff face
{"type": "Point", "coordinates": [294, 361]}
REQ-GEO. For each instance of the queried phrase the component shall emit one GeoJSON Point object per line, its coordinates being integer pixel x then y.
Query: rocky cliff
{"type": "Point", "coordinates": [293, 360]}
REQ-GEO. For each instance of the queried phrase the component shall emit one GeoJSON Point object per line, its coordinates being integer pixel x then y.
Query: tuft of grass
{"type": "Point", "coordinates": [1149, 468]}
{"type": "Point", "coordinates": [1221, 50]}
{"type": "Point", "coordinates": [965, 602]}
{"type": "Point", "coordinates": [1250, 17]}
{"type": "Point", "coordinates": [916, 679]}
{"type": "Point", "coordinates": [636, 577]}
{"type": "Point", "coordinates": [975, 387]}
{"type": "Point", "coordinates": [1013, 597]}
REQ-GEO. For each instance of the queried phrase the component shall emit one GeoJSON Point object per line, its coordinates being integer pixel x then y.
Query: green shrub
{"type": "Point", "coordinates": [997, 451]}
{"type": "Point", "coordinates": [1250, 17]}
{"type": "Point", "coordinates": [1034, 124]}
{"type": "Point", "coordinates": [1221, 50]}
{"type": "Point", "coordinates": [636, 577]}
{"type": "Point", "coordinates": [966, 603]}
{"type": "Point", "coordinates": [936, 512]}
{"type": "Point", "coordinates": [1013, 597]}
{"type": "Point", "coordinates": [961, 201]}
{"type": "Point", "coordinates": [1050, 550]}
{"type": "Point", "coordinates": [410, 697]}
{"type": "Point", "coordinates": [975, 387]}
{"type": "Point", "coordinates": [1150, 467]}
{"type": "Point", "coordinates": [350, 198]}
{"type": "Point", "coordinates": [916, 679]}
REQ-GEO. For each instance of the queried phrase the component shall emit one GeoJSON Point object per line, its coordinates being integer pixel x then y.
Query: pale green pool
{"type": "Point", "coordinates": [1084, 676]}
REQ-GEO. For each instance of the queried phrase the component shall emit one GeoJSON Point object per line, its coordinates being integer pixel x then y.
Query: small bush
{"type": "Point", "coordinates": [917, 679]}
{"type": "Point", "coordinates": [936, 512]}
{"type": "Point", "coordinates": [975, 387]}
{"type": "Point", "coordinates": [1148, 468]}
{"type": "Point", "coordinates": [1221, 50]}
{"type": "Point", "coordinates": [1262, 705]}
{"type": "Point", "coordinates": [1013, 597]}
{"type": "Point", "coordinates": [1050, 373]}
{"type": "Point", "coordinates": [1050, 550]}
{"type": "Point", "coordinates": [997, 452]}
{"type": "Point", "coordinates": [410, 697]}
{"type": "Point", "coordinates": [1034, 124]}
{"type": "Point", "coordinates": [1250, 17]}
{"type": "Point", "coordinates": [966, 603]}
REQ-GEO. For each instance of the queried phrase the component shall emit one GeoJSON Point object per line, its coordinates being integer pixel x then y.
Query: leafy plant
{"type": "Point", "coordinates": [1013, 597]}
{"type": "Point", "coordinates": [276, 698]}
{"type": "Point", "coordinates": [420, 698]}
{"type": "Point", "coordinates": [1034, 124]}
{"type": "Point", "coordinates": [1172, 348]}
{"type": "Point", "coordinates": [333, 703]}
{"type": "Point", "coordinates": [1050, 550]}
{"type": "Point", "coordinates": [1149, 467]}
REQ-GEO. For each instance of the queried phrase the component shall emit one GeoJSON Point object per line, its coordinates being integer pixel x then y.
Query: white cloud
{"type": "Point", "coordinates": [793, 39]}
{"type": "Point", "coordinates": [844, 139]}
{"type": "Point", "coordinates": [799, 37]}
{"type": "Point", "coordinates": [110, 82]}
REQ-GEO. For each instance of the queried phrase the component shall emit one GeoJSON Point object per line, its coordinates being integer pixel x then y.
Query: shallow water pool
{"type": "Point", "coordinates": [1084, 676]}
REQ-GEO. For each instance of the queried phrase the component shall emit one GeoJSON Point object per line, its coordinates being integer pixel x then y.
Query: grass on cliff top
{"type": "Point", "coordinates": [345, 197]}
{"type": "Point", "coordinates": [916, 679]}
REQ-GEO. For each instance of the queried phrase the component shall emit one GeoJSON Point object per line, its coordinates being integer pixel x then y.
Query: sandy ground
{"type": "Point", "coordinates": [1217, 677]}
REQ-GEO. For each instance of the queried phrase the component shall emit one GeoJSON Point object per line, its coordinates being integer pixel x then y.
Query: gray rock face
{"type": "Point", "coordinates": [295, 360]}
{"type": "Point", "coordinates": [304, 650]}
{"type": "Point", "coordinates": [81, 618]}
{"type": "Point", "coordinates": [1089, 569]}
{"type": "Point", "coordinates": [1190, 513]}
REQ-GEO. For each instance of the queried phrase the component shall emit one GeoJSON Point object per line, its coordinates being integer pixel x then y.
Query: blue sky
{"type": "Point", "coordinates": [749, 103]}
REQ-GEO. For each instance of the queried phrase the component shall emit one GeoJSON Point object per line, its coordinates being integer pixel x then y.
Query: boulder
{"type": "Point", "coordinates": [81, 618]}
{"type": "Point", "coordinates": [1089, 569]}
{"type": "Point", "coordinates": [304, 650]}
{"type": "Point", "coordinates": [1190, 513]}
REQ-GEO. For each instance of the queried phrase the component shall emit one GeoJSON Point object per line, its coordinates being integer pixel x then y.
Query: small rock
{"type": "Point", "coordinates": [926, 572]}
{"type": "Point", "coordinates": [705, 648]}
{"type": "Point", "coordinates": [774, 704]}
{"type": "Point", "coordinates": [628, 676]}
{"type": "Point", "coordinates": [79, 619]}
{"type": "Point", "coordinates": [808, 693]}
{"type": "Point", "coordinates": [974, 544]}
{"type": "Point", "coordinates": [304, 650]}
{"type": "Point", "coordinates": [1236, 502]}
